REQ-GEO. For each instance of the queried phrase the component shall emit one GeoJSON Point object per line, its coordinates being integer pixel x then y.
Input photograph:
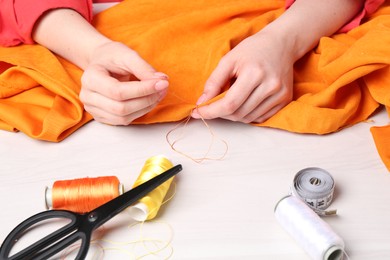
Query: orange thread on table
{"type": "Point", "coordinates": [84, 195]}
{"type": "Point", "coordinates": [206, 156]}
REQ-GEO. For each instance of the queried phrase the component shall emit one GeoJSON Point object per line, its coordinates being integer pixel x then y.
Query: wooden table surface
{"type": "Point", "coordinates": [221, 209]}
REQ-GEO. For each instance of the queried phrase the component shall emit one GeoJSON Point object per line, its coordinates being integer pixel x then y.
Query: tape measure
{"type": "Point", "coordinates": [315, 186]}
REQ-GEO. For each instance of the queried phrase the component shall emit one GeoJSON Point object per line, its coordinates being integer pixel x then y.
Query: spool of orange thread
{"type": "Point", "coordinates": [82, 195]}
{"type": "Point", "coordinates": [147, 207]}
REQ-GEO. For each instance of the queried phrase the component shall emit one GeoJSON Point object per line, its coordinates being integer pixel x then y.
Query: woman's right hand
{"type": "Point", "coordinates": [118, 86]}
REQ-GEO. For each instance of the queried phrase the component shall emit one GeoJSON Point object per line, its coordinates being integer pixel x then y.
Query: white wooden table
{"type": "Point", "coordinates": [221, 209]}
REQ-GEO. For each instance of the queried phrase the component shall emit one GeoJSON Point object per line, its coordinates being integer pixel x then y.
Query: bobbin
{"type": "Point", "coordinates": [49, 197]}
{"type": "Point", "coordinates": [315, 186]}
{"type": "Point", "coordinates": [142, 210]}
{"type": "Point", "coordinates": [312, 233]}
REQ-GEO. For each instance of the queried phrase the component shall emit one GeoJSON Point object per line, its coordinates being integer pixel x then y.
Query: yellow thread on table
{"type": "Point", "coordinates": [161, 244]}
{"type": "Point", "coordinates": [152, 202]}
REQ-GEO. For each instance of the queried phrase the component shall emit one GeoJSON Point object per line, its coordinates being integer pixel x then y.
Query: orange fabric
{"type": "Point", "coordinates": [39, 93]}
{"type": "Point", "coordinates": [382, 141]}
{"type": "Point", "coordinates": [340, 83]}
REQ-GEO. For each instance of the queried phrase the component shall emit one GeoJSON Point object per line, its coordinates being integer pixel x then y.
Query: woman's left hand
{"type": "Point", "coordinates": [262, 70]}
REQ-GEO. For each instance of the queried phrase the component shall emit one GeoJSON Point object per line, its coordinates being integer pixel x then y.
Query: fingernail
{"type": "Point", "coordinates": [161, 85]}
{"type": "Point", "coordinates": [201, 99]}
{"type": "Point", "coordinates": [161, 75]}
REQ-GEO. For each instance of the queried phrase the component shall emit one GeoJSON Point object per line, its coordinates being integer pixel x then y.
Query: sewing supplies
{"type": "Point", "coordinates": [314, 235]}
{"type": "Point", "coordinates": [315, 186]}
{"type": "Point", "coordinates": [82, 195]}
{"type": "Point", "coordinates": [80, 227]}
{"type": "Point", "coordinates": [299, 214]}
{"type": "Point", "coordinates": [147, 207]}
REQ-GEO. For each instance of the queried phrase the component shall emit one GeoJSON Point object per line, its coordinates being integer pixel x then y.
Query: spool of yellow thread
{"type": "Point", "coordinates": [147, 207]}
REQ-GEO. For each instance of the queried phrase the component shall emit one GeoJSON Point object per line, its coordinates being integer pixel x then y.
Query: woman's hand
{"type": "Point", "coordinates": [261, 68]}
{"type": "Point", "coordinates": [118, 86]}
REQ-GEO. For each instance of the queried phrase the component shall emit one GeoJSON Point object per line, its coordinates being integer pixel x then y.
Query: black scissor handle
{"type": "Point", "coordinates": [33, 249]}
{"type": "Point", "coordinates": [80, 227]}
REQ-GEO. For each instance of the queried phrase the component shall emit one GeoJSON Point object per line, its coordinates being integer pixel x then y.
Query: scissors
{"type": "Point", "coordinates": [80, 227]}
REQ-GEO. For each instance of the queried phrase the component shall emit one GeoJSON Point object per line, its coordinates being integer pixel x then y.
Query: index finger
{"type": "Point", "coordinates": [232, 100]}
{"type": "Point", "coordinates": [102, 83]}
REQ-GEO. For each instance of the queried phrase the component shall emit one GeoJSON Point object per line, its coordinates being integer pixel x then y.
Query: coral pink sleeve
{"type": "Point", "coordinates": [18, 17]}
{"type": "Point", "coordinates": [106, 1]}
{"type": "Point", "coordinates": [370, 6]}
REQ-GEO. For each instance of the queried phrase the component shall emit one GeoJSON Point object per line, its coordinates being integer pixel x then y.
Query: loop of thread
{"type": "Point", "coordinates": [147, 207]}
{"type": "Point", "coordinates": [213, 136]}
{"type": "Point", "coordinates": [82, 195]}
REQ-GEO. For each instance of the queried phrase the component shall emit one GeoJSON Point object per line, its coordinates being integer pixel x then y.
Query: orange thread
{"type": "Point", "coordinates": [82, 195]}
{"type": "Point", "coordinates": [213, 136]}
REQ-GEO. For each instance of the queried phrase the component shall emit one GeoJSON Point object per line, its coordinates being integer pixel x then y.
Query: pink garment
{"type": "Point", "coordinates": [18, 17]}
{"type": "Point", "coordinates": [370, 6]}
{"type": "Point", "coordinates": [106, 1]}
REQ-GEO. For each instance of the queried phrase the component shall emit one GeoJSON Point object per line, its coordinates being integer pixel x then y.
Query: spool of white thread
{"type": "Point", "coordinates": [315, 235]}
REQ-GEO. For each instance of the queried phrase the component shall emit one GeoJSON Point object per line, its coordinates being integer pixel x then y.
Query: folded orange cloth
{"type": "Point", "coordinates": [340, 83]}
{"type": "Point", "coordinates": [39, 93]}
